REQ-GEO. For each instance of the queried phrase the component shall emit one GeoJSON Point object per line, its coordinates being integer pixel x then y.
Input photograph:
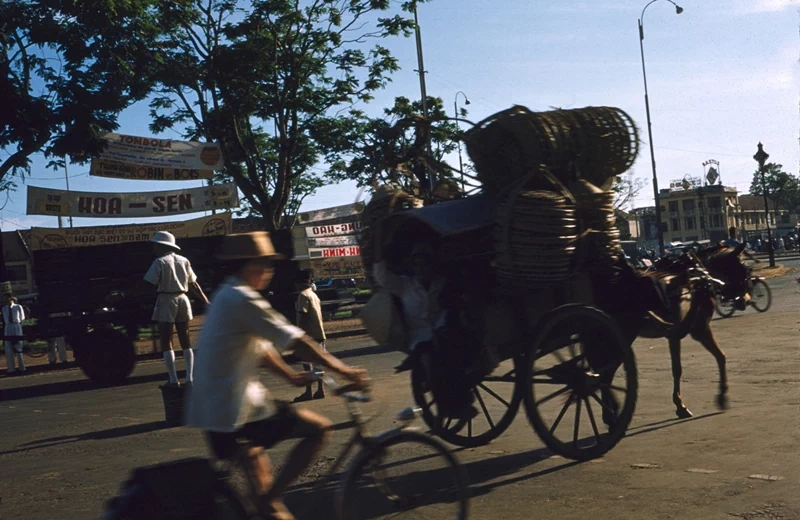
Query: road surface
{"type": "Point", "coordinates": [66, 450]}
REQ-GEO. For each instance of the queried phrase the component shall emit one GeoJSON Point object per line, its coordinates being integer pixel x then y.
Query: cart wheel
{"type": "Point", "coordinates": [107, 356]}
{"type": "Point", "coordinates": [579, 365]}
{"type": "Point", "coordinates": [760, 296]}
{"type": "Point", "coordinates": [496, 400]}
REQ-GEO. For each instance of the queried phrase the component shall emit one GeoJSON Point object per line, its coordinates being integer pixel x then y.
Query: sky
{"type": "Point", "coordinates": [722, 76]}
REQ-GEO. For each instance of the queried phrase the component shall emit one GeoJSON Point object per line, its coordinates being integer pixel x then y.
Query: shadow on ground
{"type": "Point", "coordinates": [112, 433]}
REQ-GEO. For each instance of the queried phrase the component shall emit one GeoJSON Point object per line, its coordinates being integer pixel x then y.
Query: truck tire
{"type": "Point", "coordinates": [107, 356]}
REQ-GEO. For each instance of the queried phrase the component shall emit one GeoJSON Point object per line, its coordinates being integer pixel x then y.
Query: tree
{"type": "Point", "coordinates": [626, 190]}
{"type": "Point", "coordinates": [260, 76]}
{"type": "Point", "coordinates": [368, 150]}
{"type": "Point", "coordinates": [67, 69]}
{"type": "Point", "coordinates": [783, 188]}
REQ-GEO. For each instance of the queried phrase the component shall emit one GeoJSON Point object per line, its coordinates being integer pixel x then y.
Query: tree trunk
{"type": "Point", "coordinates": [3, 273]}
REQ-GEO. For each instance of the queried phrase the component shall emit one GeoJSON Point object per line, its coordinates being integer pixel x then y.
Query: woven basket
{"type": "Point", "coordinates": [535, 240]}
{"type": "Point", "coordinates": [593, 143]}
{"type": "Point", "coordinates": [173, 397]}
{"type": "Point", "coordinates": [387, 200]}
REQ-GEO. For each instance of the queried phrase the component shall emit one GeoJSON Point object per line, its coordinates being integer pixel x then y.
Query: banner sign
{"type": "Point", "coordinates": [331, 213]}
{"type": "Point", "coordinates": [58, 238]}
{"type": "Point", "coordinates": [332, 230]}
{"type": "Point", "coordinates": [685, 184]}
{"type": "Point", "coordinates": [117, 170]}
{"type": "Point", "coordinates": [162, 153]}
{"type": "Point", "coordinates": [333, 252]}
{"type": "Point", "coordinates": [44, 201]}
{"type": "Point", "coordinates": [338, 268]}
{"type": "Point", "coordinates": [347, 240]}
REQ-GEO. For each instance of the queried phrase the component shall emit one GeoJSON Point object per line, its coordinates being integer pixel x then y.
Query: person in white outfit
{"type": "Point", "coordinates": [174, 279]}
{"type": "Point", "coordinates": [229, 402]}
{"type": "Point", "coordinates": [13, 316]}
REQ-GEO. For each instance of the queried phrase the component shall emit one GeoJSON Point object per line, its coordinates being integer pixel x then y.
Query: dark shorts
{"type": "Point", "coordinates": [285, 424]}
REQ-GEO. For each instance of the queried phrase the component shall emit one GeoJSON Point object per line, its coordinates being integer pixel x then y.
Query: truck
{"type": "Point", "coordinates": [96, 298]}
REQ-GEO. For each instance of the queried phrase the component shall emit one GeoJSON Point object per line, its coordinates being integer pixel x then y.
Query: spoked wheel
{"type": "Point", "coordinates": [580, 384]}
{"type": "Point", "coordinates": [496, 400]}
{"type": "Point", "coordinates": [761, 296]}
{"type": "Point", "coordinates": [405, 475]}
{"type": "Point", "coordinates": [725, 307]}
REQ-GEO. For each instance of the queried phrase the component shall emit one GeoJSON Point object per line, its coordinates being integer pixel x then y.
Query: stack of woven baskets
{"type": "Point", "coordinates": [531, 163]}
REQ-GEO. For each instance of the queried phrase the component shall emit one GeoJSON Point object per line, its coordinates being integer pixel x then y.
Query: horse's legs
{"type": "Point", "coordinates": [677, 372]}
{"type": "Point", "coordinates": [703, 334]}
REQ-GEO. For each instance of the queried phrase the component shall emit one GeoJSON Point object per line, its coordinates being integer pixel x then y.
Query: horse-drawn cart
{"type": "Point", "coordinates": [524, 256]}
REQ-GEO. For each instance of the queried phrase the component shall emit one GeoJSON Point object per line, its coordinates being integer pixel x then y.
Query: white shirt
{"type": "Point", "coordinates": [421, 306]}
{"type": "Point", "coordinates": [239, 329]}
{"type": "Point", "coordinates": [13, 316]}
{"type": "Point", "coordinates": [171, 273]}
{"type": "Point", "coordinates": [309, 314]}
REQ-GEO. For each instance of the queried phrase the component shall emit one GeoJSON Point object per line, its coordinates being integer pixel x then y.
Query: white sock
{"type": "Point", "coordinates": [188, 357]}
{"type": "Point", "coordinates": [169, 359]}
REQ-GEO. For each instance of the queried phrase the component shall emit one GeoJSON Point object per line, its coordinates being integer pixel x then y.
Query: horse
{"type": "Point", "coordinates": [687, 308]}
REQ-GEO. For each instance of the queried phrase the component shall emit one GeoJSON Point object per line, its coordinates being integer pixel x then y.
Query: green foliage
{"type": "Point", "coordinates": [783, 188]}
{"type": "Point", "coordinates": [261, 76]}
{"type": "Point", "coordinates": [366, 150]}
{"type": "Point", "coordinates": [67, 69]}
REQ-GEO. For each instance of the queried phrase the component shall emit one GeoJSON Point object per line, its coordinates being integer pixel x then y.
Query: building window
{"type": "Point", "coordinates": [688, 204]}
{"type": "Point", "coordinates": [714, 202]}
{"type": "Point", "coordinates": [676, 225]}
{"type": "Point", "coordinates": [689, 223]}
{"type": "Point", "coordinates": [673, 206]}
{"type": "Point", "coordinates": [716, 221]}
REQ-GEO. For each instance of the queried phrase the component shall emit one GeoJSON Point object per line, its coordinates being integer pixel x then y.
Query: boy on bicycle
{"type": "Point", "coordinates": [243, 332]}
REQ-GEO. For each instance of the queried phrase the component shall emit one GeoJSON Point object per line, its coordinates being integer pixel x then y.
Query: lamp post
{"type": "Point", "coordinates": [455, 112]}
{"type": "Point", "coordinates": [678, 10]}
{"type": "Point", "coordinates": [761, 157]}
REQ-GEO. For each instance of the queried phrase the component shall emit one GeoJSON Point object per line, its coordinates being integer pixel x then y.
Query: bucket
{"type": "Point", "coordinates": [173, 403]}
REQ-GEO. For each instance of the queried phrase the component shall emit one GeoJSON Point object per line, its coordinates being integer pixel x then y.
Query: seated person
{"type": "Point", "coordinates": [421, 299]}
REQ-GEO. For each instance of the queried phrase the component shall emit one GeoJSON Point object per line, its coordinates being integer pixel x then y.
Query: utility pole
{"type": "Point", "coordinates": [761, 157]}
{"type": "Point", "coordinates": [421, 70]}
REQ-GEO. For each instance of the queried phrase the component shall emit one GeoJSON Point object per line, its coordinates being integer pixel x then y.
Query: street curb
{"type": "Point", "coordinates": [36, 369]}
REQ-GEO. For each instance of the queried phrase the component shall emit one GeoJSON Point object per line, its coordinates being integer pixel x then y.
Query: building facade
{"type": "Point", "coordinates": [702, 213]}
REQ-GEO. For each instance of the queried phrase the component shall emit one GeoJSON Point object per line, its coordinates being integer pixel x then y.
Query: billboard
{"type": "Point", "coordinates": [59, 238]}
{"type": "Point", "coordinates": [45, 201]}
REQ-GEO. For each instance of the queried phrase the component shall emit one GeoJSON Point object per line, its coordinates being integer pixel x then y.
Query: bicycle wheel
{"type": "Point", "coordinates": [725, 307]}
{"type": "Point", "coordinates": [405, 475]}
{"type": "Point", "coordinates": [761, 296]}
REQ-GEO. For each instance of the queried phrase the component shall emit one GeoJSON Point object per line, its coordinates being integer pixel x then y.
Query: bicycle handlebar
{"type": "Point", "coordinates": [348, 391]}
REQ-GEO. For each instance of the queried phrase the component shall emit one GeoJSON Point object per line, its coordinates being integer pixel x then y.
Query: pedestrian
{"type": "Point", "coordinates": [174, 279]}
{"type": "Point", "coordinates": [228, 401]}
{"type": "Point", "coordinates": [13, 316]}
{"type": "Point", "coordinates": [309, 318]}
{"type": "Point", "coordinates": [731, 240]}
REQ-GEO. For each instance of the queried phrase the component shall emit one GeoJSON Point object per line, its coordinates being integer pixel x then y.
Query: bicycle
{"type": "Point", "coordinates": [760, 297]}
{"type": "Point", "coordinates": [368, 488]}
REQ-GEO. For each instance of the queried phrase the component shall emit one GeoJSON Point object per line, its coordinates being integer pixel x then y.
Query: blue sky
{"type": "Point", "coordinates": [722, 76]}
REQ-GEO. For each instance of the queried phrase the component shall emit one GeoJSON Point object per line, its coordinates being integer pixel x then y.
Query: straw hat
{"type": "Point", "coordinates": [244, 246]}
{"type": "Point", "coordinates": [165, 238]}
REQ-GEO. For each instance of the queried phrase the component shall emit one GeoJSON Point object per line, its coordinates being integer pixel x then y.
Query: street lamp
{"type": "Point", "coordinates": [455, 111]}
{"type": "Point", "coordinates": [678, 10]}
{"type": "Point", "coordinates": [761, 157]}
